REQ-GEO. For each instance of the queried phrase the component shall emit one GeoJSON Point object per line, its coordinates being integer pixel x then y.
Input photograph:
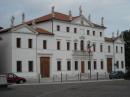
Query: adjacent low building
{"type": "Point", "coordinates": [59, 43]}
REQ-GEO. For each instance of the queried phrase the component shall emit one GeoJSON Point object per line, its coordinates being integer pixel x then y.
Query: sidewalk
{"type": "Point", "coordinates": [67, 82]}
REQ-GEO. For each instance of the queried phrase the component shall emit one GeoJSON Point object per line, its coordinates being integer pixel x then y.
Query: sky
{"type": "Point", "coordinates": [116, 13]}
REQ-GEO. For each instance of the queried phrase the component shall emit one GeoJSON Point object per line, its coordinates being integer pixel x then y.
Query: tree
{"type": "Point", "coordinates": [126, 36]}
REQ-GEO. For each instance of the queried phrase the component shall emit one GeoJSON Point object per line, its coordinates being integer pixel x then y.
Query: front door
{"type": "Point", "coordinates": [82, 67]}
{"type": "Point", "coordinates": [109, 65]}
{"type": "Point", "coordinates": [45, 66]}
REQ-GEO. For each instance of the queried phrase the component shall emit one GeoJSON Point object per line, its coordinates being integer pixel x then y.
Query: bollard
{"type": "Point", "coordinates": [97, 75]}
{"type": "Point", "coordinates": [66, 77]}
{"type": "Point", "coordinates": [61, 77]}
{"type": "Point", "coordinates": [53, 78]}
{"type": "Point", "coordinates": [80, 76]}
{"type": "Point", "coordinates": [39, 77]}
{"type": "Point", "coordinates": [105, 75]}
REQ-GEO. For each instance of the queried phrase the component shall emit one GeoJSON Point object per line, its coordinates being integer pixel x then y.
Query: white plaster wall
{"type": "Point", "coordinates": [24, 54]}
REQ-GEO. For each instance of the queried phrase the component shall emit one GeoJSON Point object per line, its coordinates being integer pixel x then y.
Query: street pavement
{"type": "Point", "coordinates": [114, 88]}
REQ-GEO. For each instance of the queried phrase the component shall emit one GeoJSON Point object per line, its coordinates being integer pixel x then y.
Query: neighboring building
{"type": "Point", "coordinates": [58, 43]}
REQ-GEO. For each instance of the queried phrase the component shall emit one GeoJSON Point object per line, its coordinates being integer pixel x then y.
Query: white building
{"type": "Point", "coordinates": [58, 43]}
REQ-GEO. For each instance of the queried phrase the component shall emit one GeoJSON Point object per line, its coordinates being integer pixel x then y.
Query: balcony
{"type": "Point", "coordinates": [78, 54]}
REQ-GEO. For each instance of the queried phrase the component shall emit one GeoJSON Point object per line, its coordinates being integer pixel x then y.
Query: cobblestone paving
{"type": "Point", "coordinates": [118, 88]}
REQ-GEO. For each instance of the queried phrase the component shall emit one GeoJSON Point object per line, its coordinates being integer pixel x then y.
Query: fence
{"type": "Point", "coordinates": [80, 77]}
{"type": "Point", "coordinates": [62, 77]}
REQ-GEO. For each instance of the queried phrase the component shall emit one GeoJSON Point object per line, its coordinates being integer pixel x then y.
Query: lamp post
{"type": "Point", "coordinates": [113, 40]}
{"type": "Point", "coordinates": [89, 52]}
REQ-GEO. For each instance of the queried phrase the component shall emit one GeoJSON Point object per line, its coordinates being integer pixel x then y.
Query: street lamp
{"type": "Point", "coordinates": [89, 52]}
{"type": "Point", "coordinates": [113, 40]}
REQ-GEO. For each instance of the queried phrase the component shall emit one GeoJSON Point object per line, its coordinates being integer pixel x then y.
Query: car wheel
{"type": "Point", "coordinates": [21, 82]}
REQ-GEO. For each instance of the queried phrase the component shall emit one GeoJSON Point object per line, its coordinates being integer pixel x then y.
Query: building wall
{"type": "Point", "coordinates": [11, 54]}
{"type": "Point", "coordinates": [5, 52]}
{"type": "Point", "coordinates": [24, 54]}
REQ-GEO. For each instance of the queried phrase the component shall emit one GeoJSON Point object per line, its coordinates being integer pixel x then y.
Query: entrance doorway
{"type": "Point", "coordinates": [45, 66]}
{"type": "Point", "coordinates": [82, 67]}
{"type": "Point", "coordinates": [109, 65]}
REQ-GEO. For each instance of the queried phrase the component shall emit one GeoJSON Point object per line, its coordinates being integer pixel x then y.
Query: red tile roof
{"type": "Point", "coordinates": [43, 31]}
{"type": "Point", "coordinates": [108, 39]}
{"type": "Point", "coordinates": [58, 16]}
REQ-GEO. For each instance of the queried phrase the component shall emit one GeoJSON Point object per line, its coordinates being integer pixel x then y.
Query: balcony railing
{"type": "Point", "coordinates": [82, 54]}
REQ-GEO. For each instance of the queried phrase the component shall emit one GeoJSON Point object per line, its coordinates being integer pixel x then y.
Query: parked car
{"type": "Point", "coordinates": [3, 81]}
{"type": "Point", "coordinates": [127, 75]}
{"type": "Point", "coordinates": [12, 78]}
{"type": "Point", "coordinates": [116, 75]}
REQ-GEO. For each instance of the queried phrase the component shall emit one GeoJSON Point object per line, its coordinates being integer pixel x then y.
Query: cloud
{"type": "Point", "coordinates": [116, 12]}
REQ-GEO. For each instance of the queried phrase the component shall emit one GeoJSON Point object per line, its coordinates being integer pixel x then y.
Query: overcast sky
{"type": "Point", "coordinates": [115, 12]}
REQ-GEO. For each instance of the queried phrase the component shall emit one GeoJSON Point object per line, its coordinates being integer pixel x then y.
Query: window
{"type": "Point", "coordinates": [29, 43]}
{"type": "Point", "coordinates": [93, 33]}
{"type": "Point", "coordinates": [82, 45]}
{"type": "Point", "coordinates": [121, 49]}
{"type": "Point", "coordinates": [58, 45]}
{"type": "Point", "coordinates": [58, 28]}
{"type": "Point", "coordinates": [117, 64]}
{"type": "Point", "coordinates": [68, 65]}
{"type": "Point", "coordinates": [88, 32]}
{"type": "Point", "coordinates": [89, 65]}
{"type": "Point", "coordinates": [30, 66]}
{"type": "Point", "coordinates": [58, 65]}
{"type": "Point", "coordinates": [44, 44]}
{"type": "Point", "coordinates": [95, 65]}
{"type": "Point", "coordinates": [101, 48]}
{"type": "Point", "coordinates": [94, 47]}
{"type": "Point", "coordinates": [68, 45]}
{"type": "Point", "coordinates": [122, 64]}
{"type": "Point", "coordinates": [18, 40]}
{"type": "Point", "coordinates": [116, 49]}
{"type": "Point", "coordinates": [19, 66]}
{"type": "Point", "coordinates": [75, 30]}
{"type": "Point", "coordinates": [67, 29]}
{"type": "Point", "coordinates": [109, 49]}
{"type": "Point", "coordinates": [102, 66]}
{"type": "Point", "coordinates": [75, 46]}
{"type": "Point", "coordinates": [88, 45]}
{"type": "Point", "coordinates": [76, 65]}
{"type": "Point", "coordinates": [100, 34]}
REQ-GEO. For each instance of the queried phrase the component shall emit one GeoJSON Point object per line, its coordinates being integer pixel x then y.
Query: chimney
{"type": "Point", "coordinates": [12, 21]}
{"type": "Point", "coordinates": [23, 18]}
{"type": "Point", "coordinates": [89, 18]}
{"type": "Point", "coordinates": [102, 21]}
{"type": "Point", "coordinates": [80, 11]}
{"type": "Point", "coordinates": [53, 11]}
{"type": "Point", "coordinates": [70, 15]}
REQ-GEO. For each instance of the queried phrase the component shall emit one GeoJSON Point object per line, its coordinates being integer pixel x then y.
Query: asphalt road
{"type": "Point", "coordinates": [118, 88]}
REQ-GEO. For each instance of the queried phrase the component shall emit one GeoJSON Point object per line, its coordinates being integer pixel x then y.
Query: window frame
{"type": "Point", "coordinates": [68, 65]}
{"type": "Point", "coordinates": [44, 44]}
{"type": "Point", "coordinates": [30, 65]}
{"type": "Point", "coordinates": [59, 66]}
{"type": "Point", "coordinates": [30, 43]}
{"type": "Point", "coordinates": [18, 42]}
{"type": "Point", "coordinates": [19, 66]}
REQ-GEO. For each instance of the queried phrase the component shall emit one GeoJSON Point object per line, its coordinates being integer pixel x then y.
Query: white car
{"type": "Point", "coordinates": [3, 81]}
